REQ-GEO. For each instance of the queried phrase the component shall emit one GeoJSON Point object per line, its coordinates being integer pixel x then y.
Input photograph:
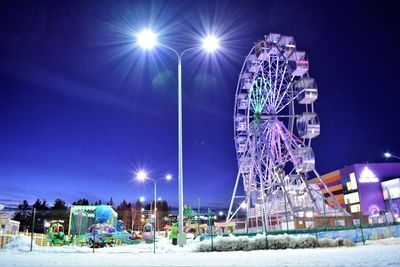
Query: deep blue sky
{"type": "Point", "coordinates": [82, 108]}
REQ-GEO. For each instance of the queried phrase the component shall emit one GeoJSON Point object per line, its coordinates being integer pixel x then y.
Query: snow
{"type": "Point", "coordinates": [375, 253]}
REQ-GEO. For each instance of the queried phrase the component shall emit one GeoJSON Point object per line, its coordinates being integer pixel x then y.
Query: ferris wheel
{"type": "Point", "coordinates": [274, 123]}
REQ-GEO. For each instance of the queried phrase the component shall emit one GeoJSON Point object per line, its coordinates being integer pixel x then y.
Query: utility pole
{"type": "Point", "coordinates": [33, 226]}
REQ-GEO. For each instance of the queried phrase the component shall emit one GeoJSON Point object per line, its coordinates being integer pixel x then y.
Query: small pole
{"type": "Point", "coordinates": [286, 214]}
{"type": "Point", "coordinates": [362, 231]}
{"type": "Point", "coordinates": [323, 204]}
{"type": "Point", "coordinates": [335, 219]}
{"type": "Point", "coordinates": [198, 219]}
{"type": "Point", "coordinates": [237, 224]}
{"type": "Point", "coordinates": [154, 234]}
{"type": "Point", "coordinates": [315, 225]}
{"type": "Point", "coordinates": [211, 229]}
{"type": "Point", "coordinates": [94, 230]}
{"type": "Point", "coordinates": [33, 226]}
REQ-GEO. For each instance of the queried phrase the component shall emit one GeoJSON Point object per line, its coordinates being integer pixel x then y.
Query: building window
{"type": "Point", "coordinates": [352, 198]}
{"type": "Point", "coordinates": [353, 181]}
{"type": "Point", "coordinates": [355, 208]}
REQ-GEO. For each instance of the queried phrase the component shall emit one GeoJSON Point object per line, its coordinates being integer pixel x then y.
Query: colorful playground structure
{"type": "Point", "coordinates": [98, 226]}
{"type": "Point", "coordinates": [94, 226]}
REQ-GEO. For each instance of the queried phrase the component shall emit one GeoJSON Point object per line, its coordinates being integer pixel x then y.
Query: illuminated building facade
{"type": "Point", "coordinates": [372, 189]}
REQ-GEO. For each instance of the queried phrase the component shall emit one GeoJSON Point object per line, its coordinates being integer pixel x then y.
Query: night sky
{"type": "Point", "coordinates": [82, 108]}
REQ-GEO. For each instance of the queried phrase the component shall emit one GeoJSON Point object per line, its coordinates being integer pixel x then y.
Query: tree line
{"type": "Point", "coordinates": [129, 213]}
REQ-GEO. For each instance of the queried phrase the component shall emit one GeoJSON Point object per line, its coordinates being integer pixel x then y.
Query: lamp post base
{"type": "Point", "coordinates": [181, 239]}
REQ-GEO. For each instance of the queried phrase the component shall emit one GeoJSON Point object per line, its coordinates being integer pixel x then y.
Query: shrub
{"type": "Point", "coordinates": [233, 243]}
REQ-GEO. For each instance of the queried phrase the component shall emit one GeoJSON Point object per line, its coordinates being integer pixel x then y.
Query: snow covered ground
{"type": "Point", "coordinates": [375, 253]}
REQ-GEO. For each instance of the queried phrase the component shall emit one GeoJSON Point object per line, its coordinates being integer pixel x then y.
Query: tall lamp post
{"type": "Point", "coordinates": [390, 155]}
{"type": "Point", "coordinates": [142, 176]}
{"type": "Point", "coordinates": [148, 40]}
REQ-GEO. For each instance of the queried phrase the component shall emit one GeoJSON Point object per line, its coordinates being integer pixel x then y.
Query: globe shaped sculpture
{"type": "Point", "coordinates": [103, 213]}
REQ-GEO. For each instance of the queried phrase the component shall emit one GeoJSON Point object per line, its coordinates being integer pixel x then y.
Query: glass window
{"type": "Point", "coordinates": [355, 208]}
{"type": "Point", "coordinates": [348, 186]}
{"type": "Point", "coordinates": [353, 181]}
{"type": "Point", "coordinates": [351, 198]}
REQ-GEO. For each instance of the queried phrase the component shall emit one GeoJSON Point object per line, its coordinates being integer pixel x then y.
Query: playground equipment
{"type": "Point", "coordinates": [98, 226]}
{"type": "Point", "coordinates": [148, 233]}
{"type": "Point", "coordinates": [55, 233]}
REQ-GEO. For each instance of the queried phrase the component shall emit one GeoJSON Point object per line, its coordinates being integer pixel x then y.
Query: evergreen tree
{"type": "Point", "coordinates": [125, 213]}
{"type": "Point", "coordinates": [23, 215]}
{"type": "Point", "coordinates": [59, 204]}
{"type": "Point", "coordinates": [41, 214]}
{"type": "Point", "coordinates": [59, 211]}
{"type": "Point", "coordinates": [111, 202]}
{"type": "Point", "coordinates": [137, 215]}
{"type": "Point", "coordinates": [81, 201]}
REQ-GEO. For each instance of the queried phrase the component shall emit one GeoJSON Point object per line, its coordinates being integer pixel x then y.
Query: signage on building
{"type": "Point", "coordinates": [367, 176]}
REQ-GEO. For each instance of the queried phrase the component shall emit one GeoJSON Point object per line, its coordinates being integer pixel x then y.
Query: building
{"type": "Point", "coordinates": [8, 228]}
{"type": "Point", "coordinates": [372, 189]}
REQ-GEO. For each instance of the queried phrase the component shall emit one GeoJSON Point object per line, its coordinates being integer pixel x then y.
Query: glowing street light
{"type": "Point", "coordinates": [142, 176]}
{"type": "Point", "coordinates": [390, 155]}
{"type": "Point", "coordinates": [210, 43]}
{"type": "Point", "coordinates": [142, 199]}
{"type": "Point", "coordinates": [147, 39]}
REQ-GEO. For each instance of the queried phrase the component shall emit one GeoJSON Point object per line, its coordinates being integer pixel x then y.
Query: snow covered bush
{"type": "Point", "coordinates": [343, 242]}
{"type": "Point", "coordinates": [303, 242]}
{"type": "Point", "coordinates": [326, 243]}
{"type": "Point", "coordinates": [260, 242]}
{"type": "Point", "coordinates": [279, 242]}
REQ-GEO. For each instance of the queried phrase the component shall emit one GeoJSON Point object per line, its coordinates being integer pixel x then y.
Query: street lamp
{"type": "Point", "coordinates": [390, 155]}
{"type": "Point", "coordinates": [147, 40]}
{"type": "Point", "coordinates": [142, 176]}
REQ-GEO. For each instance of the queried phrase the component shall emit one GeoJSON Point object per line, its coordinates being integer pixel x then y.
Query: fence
{"type": "Point", "coordinates": [54, 227]}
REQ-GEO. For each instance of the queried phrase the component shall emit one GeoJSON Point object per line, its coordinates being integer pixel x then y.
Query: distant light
{"type": "Point", "coordinates": [142, 209]}
{"type": "Point", "coordinates": [215, 217]}
{"type": "Point", "coordinates": [141, 176]}
{"type": "Point", "coordinates": [147, 39]}
{"type": "Point", "coordinates": [243, 205]}
{"type": "Point", "coordinates": [210, 43]}
{"type": "Point", "coordinates": [168, 177]}
{"type": "Point", "coordinates": [159, 199]}
{"type": "Point", "coordinates": [220, 213]}
{"type": "Point", "coordinates": [387, 155]}
{"type": "Point", "coordinates": [142, 199]}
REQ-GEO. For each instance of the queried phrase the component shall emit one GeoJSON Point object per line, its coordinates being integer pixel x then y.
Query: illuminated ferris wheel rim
{"type": "Point", "coordinates": [248, 78]}
{"type": "Point", "coordinates": [273, 77]}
